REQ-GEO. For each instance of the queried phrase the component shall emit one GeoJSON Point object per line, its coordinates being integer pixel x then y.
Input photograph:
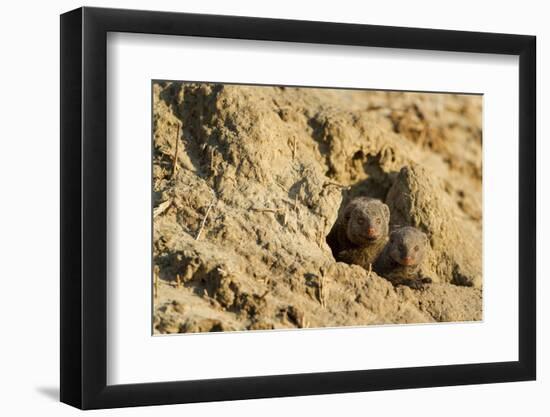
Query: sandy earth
{"type": "Point", "coordinates": [242, 214]}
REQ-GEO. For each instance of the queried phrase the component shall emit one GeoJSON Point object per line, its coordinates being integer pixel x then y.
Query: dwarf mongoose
{"type": "Point", "coordinates": [400, 261]}
{"type": "Point", "coordinates": [362, 231]}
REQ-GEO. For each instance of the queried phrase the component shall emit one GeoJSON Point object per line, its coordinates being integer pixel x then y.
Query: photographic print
{"type": "Point", "coordinates": [262, 206]}
{"type": "Point", "coordinates": [284, 207]}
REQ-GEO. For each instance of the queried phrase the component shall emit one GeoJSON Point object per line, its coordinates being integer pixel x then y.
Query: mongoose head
{"type": "Point", "coordinates": [367, 220]}
{"type": "Point", "coordinates": [408, 246]}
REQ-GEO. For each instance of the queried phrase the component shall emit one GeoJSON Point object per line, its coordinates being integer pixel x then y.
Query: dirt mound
{"type": "Point", "coordinates": [242, 213]}
{"type": "Point", "coordinates": [416, 199]}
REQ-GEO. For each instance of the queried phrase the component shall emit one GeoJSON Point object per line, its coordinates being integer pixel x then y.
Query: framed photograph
{"type": "Point", "coordinates": [258, 208]}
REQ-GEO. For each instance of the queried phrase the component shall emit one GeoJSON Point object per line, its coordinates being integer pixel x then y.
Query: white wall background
{"type": "Point", "coordinates": [29, 213]}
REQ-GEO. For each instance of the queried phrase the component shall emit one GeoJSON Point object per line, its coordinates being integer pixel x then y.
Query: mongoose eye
{"type": "Point", "coordinates": [416, 248]}
{"type": "Point", "coordinates": [378, 221]}
{"type": "Point", "coordinates": [360, 221]}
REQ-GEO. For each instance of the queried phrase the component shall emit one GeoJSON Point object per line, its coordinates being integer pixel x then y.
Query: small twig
{"type": "Point", "coordinates": [175, 160]}
{"type": "Point", "coordinates": [204, 219]}
{"type": "Point", "coordinates": [264, 279]}
{"type": "Point", "coordinates": [285, 217]}
{"type": "Point", "coordinates": [323, 292]}
{"type": "Point", "coordinates": [155, 282]}
{"type": "Point", "coordinates": [293, 147]}
{"type": "Point", "coordinates": [280, 184]}
{"type": "Point", "coordinates": [211, 159]}
{"type": "Point", "coordinates": [267, 210]}
{"type": "Point", "coordinates": [369, 272]}
{"type": "Point", "coordinates": [334, 183]}
{"type": "Point", "coordinates": [222, 271]}
{"type": "Point", "coordinates": [178, 281]}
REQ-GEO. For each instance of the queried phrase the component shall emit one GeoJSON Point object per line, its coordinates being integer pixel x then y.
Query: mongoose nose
{"type": "Point", "coordinates": [407, 260]}
{"type": "Point", "coordinates": [371, 232]}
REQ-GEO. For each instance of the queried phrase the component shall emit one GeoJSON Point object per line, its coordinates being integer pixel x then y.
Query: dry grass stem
{"type": "Point", "coordinates": [178, 281]}
{"type": "Point", "coordinates": [222, 271]}
{"type": "Point", "coordinates": [267, 210]}
{"type": "Point", "coordinates": [334, 183]}
{"type": "Point", "coordinates": [155, 284]}
{"type": "Point", "coordinates": [204, 220]}
{"type": "Point", "coordinates": [280, 184]}
{"type": "Point", "coordinates": [161, 208]}
{"type": "Point", "coordinates": [175, 160]}
{"type": "Point", "coordinates": [323, 291]}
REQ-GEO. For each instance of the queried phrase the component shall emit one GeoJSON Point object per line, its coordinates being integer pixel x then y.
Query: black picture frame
{"type": "Point", "coordinates": [84, 207]}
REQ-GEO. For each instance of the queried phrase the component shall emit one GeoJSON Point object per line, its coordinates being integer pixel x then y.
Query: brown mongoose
{"type": "Point", "coordinates": [401, 260]}
{"type": "Point", "coordinates": [362, 231]}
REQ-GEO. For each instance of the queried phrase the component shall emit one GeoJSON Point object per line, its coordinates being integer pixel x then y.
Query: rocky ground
{"type": "Point", "coordinates": [248, 182]}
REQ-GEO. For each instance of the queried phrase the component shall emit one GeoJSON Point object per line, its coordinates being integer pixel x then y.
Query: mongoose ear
{"type": "Point", "coordinates": [386, 210]}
